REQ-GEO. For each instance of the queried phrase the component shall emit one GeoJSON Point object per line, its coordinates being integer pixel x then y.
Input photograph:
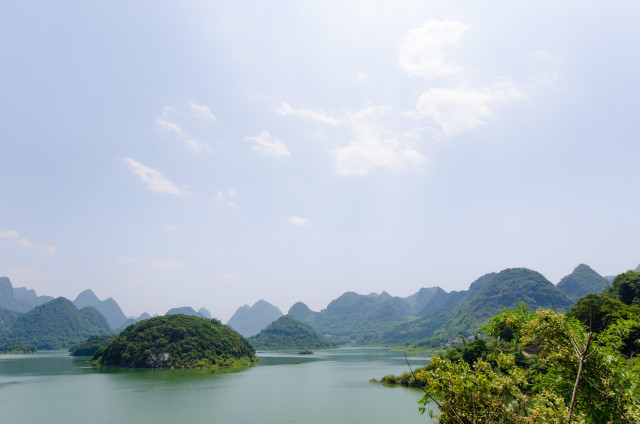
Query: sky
{"type": "Point", "coordinates": [212, 154]}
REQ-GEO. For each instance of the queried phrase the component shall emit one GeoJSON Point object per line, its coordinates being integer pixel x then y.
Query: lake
{"type": "Point", "coordinates": [329, 386]}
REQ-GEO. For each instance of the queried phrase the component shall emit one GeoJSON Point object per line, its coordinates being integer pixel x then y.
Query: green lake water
{"type": "Point", "coordinates": [328, 387]}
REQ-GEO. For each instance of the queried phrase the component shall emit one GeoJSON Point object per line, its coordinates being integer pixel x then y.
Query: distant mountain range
{"type": "Point", "coordinates": [56, 324]}
{"type": "Point", "coordinates": [188, 310]}
{"type": "Point", "coordinates": [251, 320]}
{"type": "Point", "coordinates": [427, 316]}
{"type": "Point", "coordinates": [19, 299]}
{"type": "Point", "coordinates": [109, 308]}
{"type": "Point", "coordinates": [432, 313]}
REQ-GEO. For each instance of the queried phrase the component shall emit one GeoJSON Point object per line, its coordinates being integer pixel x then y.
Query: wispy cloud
{"type": "Point", "coordinates": [201, 111]}
{"type": "Point", "coordinates": [375, 146]}
{"type": "Point", "coordinates": [462, 108]}
{"type": "Point", "coordinates": [195, 145]}
{"type": "Point", "coordinates": [47, 250]}
{"type": "Point", "coordinates": [165, 265]}
{"type": "Point", "coordinates": [363, 77]}
{"type": "Point", "coordinates": [268, 145]}
{"type": "Point", "coordinates": [9, 234]}
{"type": "Point", "coordinates": [317, 115]}
{"type": "Point", "coordinates": [224, 199]}
{"type": "Point", "coordinates": [153, 179]}
{"type": "Point", "coordinates": [297, 221]}
{"type": "Point", "coordinates": [128, 260]}
{"type": "Point", "coordinates": [171, 127]}
{"type": "Point", "coordinates": [170, 227]}
{"type": "Point", "coordinates": [421, 52]}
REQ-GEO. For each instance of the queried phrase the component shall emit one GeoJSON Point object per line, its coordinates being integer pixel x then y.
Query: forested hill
{"type": "Point", "coordinates": [582, 281]}
{"type": "Point", "coordinates": [288, 333]}
{"type": "Point", "coordinates": [540, 366]}
{"type": "Point", "coordinates": [57, 324]}
{"type": "Point", "coordinates": [177, 341]}
{"type": "Point", "coordinates": [431, 313]}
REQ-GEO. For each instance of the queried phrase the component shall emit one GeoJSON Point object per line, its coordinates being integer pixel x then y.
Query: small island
{"type": "Point", "coordinates": [177, 342]}
{"type": "Point", "coordinates": [287, 333]}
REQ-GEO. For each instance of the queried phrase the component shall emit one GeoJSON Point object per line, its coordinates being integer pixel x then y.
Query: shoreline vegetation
{"type": "Point", "coordinates": [542, 367]}
{"type": "Point", "coordinates": [18, 348]}
{"type": "Point", "coordinates": [177, 342]}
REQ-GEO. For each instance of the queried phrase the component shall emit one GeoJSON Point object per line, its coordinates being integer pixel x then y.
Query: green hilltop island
{"type": "Point", "coordinates": [288, 333]}
{"type": "Point", "coordinates": [177, 342]}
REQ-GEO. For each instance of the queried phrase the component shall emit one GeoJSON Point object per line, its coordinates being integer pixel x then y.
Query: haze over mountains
{"type": "Point", "coordinates": [109, 308]}
{"type": "Point", "coordinates": [250, 320]}
{"type": "Point", "coordinates": [19, 299]}
{"type": "Point", "coordinates": [430, 315]}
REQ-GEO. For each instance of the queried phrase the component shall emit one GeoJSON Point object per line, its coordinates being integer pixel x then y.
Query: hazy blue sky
{"type": "Point", "coordinates": [213, 154]}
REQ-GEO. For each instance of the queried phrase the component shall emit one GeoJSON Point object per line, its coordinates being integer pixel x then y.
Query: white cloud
{"type": "Point", "coordinates": [170, 227]}
{"type": "Point", "coordinates": [153, 179]}
{"type": "Point", "coordinates": [375, 146]}
{"type": "Point", "coordinates": [9, 234]}
{"type": "Point", "coordinates": [462, 109]}
{"type": "Point", "coordinates": [222, 198]}
{"type": "Point", "coordinates": [544, 78]}
{"type": "Point", "coordinates": [172, 128]}
{"type": "Point", "coordinates": [25, 275]}
{"type": "Point", "coordinates": [49, 250]}
{"type": "Point", "coordinates": [363, 76]}
{"type": "Point", "coordinates": [167, 265]}
{"type": "Point", "coordinates": [228, 277]}
{"type": "Point", "coordinates": [201, 111]}
{"type": "Point", "coordinates": [296, 220]}
{"type": "Point", "coordinates": [317, 115]}
{"type": "Point", "coordinates": [421, 52]}
{"type": "Point", "coordinates": [233, 192]}
{"type": "Point", "coordinates": [195, 145]}
{"type": "Point", "coordinates": [128, 260]}
{"type": "Point", "coordinates": [266, 144]}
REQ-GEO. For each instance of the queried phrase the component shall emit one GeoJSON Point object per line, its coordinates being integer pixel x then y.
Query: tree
{"type": "Point", "coordinates": [576, 375]}
{"type": "Point", "coordinates": [626, 288]}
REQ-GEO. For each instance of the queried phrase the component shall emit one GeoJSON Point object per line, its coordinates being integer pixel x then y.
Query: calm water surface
{"type": "Point", "coordinates": [328, 387]}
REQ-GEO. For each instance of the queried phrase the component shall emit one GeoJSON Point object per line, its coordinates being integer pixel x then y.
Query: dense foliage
{"type": "Point", "coordinates": [289, 333]}
{"type": "Point", "coordinates": [626, 288]}
{"type": "Point", "coordinates": [8, 317]}
{"type": "Point", "coordinates": [91, 345]}
{"type": "Point", "coordinates": [542, 367]}
{"type": "Point", "coordinates": [465, 312]}
{"type": "Point", "coordinates": [55, 325]}
{"type": "Point", "coordinates": [17, 347]}
{"type": "Point", "coordinates": [177, 341]}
